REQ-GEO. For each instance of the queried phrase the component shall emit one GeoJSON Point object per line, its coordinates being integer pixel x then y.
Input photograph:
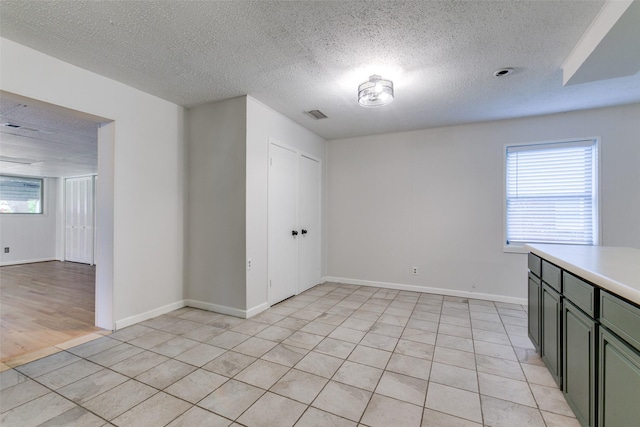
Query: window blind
{"type": "Point", "coordinates": [551, 193]}
{"type": "Point", "coordinates": [20, 194]}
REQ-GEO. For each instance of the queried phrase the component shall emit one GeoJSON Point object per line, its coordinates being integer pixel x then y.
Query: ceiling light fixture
{"type": "Point", "coordinates": [375, 92]}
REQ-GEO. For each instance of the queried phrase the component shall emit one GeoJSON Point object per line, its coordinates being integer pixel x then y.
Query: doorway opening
{"type": "Point", "coordinates": [62, 302]}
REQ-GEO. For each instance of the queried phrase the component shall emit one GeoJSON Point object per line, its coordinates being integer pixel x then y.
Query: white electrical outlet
{"type": "Point", "coordinates": [415, 271]}
{"type": "Point", "coordinates": [249, 264]}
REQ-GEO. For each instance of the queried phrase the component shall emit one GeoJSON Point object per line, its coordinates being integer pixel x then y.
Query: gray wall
{"type": "Point", "coordinates": [215, 247]}
{"type": "Point", "coordinates": [434, 199]}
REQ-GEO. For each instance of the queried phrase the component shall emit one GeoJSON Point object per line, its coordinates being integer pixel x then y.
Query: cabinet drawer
{"type": "Point", "coordinates": [535, 264]}
{"type": "Point", "coordinates": [551, 275]}
{"type": "Point", "coordinates": [621, 317]}
{"type": "Point", "coordinates": [579, 292]}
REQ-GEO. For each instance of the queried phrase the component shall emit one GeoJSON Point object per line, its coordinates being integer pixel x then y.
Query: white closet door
{"type": "Point", "coordinates": [282, 218]}
{"type": "Point", "coordinates": [309, 223]}
{"type": "Point", "coordinates": [79, 220]}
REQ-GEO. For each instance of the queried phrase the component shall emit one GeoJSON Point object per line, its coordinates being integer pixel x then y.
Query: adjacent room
{"type": "Point", "coordinates": [49, 169]}
{"type": "Point", "coordinates": [320, 213]}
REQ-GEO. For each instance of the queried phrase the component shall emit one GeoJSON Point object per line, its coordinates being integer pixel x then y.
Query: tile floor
{"type": "Point", "coordinates": [336, 355]}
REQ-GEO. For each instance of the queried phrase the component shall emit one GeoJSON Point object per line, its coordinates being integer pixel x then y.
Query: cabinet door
{"type": "Point", "coordinates": [579, 363]}
{"type": "Point", "coordinates": [550, 344]}
{"type": "Point", "coordinates": [619, 382]}
{"type": "Point", "coordinates": [534, 310]}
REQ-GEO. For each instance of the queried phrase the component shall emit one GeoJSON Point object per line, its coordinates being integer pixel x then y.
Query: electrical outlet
{"type": "Point", "coordinates": [415, 271]}
{"type": "Point", "coordinates": [6, 250]}
{"type": "Point", "coordinates": [249, 264]}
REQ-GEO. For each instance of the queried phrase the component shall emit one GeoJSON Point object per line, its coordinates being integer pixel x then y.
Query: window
{"type": "Point", "coordinates": [551, 193]}
{"type": "Point", "coordinates": [20, 195]}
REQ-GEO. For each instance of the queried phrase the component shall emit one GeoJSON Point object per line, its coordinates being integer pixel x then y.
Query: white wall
{"type": "Point", "coordinates": [216, 206]}
{"type": "Point", "coordinates": [264, 123]}
{"type": "Point", "coordinates": [147, 169]}
{"type": "Point", "coordinates": [433, 199]}
{"type": "Point", "coordinates": [105, 224]}
{"type": "Point", "coordinates": [31, 237]}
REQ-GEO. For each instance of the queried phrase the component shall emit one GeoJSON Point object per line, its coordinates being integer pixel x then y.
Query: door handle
{"type": "Point", "coordinates": [294, 233]}
{"type": "Point", "coordinates": [304, 231]}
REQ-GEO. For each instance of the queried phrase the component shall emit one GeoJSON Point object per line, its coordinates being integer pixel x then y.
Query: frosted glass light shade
{"type": "Point", "coordinates": [375, 92]}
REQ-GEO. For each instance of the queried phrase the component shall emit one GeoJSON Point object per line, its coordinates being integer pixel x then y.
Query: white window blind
{"type": "Point", "coordinates": [20, 194]}
{"type": "Point", "coordinates": [551, 193]}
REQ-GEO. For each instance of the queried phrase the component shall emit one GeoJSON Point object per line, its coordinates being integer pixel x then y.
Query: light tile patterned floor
{"type": "Point", "coordinates": [336, 355]}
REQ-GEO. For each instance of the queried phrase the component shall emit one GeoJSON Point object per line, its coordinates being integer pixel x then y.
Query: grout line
{"type": "Point", "coordinates": [336, 298]}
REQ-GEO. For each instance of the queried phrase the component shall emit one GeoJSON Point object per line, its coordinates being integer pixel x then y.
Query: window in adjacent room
{"type": "Point", "coordinates": [20, 195]}
{"type": "Point", "coordinates": [552, 193]}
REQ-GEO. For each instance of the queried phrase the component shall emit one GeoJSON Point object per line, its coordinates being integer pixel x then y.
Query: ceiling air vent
{"type": "Point", "coordinates": [316, 114]}
{"type": "Point", "coordinates": [503, 72]}
{"type": "Point", "coordinates": [15, 126]}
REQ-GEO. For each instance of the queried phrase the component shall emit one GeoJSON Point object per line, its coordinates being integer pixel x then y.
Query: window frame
{"type": "Point", "coordinates": [597, 232]}
{"type": "Point", "coordinates": [42, 194]}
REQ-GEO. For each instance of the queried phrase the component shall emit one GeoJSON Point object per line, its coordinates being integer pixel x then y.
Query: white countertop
{"type": "Point", "coordinates": [614, 269]}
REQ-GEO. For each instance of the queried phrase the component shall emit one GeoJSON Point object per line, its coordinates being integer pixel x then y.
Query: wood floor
{"type": "Point", "coordinates": [43, 305]}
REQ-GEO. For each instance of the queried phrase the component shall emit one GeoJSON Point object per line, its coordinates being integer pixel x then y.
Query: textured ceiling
{"type": "Point", "coordinates": [40, 141]}
{"type": "Point", "coordinates": [302, 55]}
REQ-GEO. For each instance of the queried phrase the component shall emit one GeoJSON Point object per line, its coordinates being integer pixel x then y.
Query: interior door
{"type": "Point", "coordinates": [79, 220]}
{"type": "Point", "coordinates": [282, 218]}
{"type": "Point", "coordinates": [309, 223]}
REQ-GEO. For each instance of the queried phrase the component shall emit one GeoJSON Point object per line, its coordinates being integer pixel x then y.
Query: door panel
{"type": "Point", "coordinates": [309, 223]}
{"type": "Point", "coordinates": [551, 323]}
{"type": "Point", "coordinates": [534, 310]}
{"type": "Point", "coordinates": [619, 382]}
{"type": "Point", "coordinates": [578, 363]}
{"type": "Point", "coordinates": [79, 220]}
{"type": "Point", "coordinates": [282, 218]}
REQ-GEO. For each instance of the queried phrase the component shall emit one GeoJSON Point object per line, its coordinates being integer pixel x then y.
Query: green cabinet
{"type": "Point", "coordinates": [579, 362]}
{"type": "Point", "coordinates": [580, 293]}
{"type": "Point", "coordinates": [619, 382]}
{"type": "Point", "coordinates": [534, 262]}
{"type": "Point", "coordinates": [621, 317]}
{"type": "Point", "coordinates": [534, 290]}
{"type": "Point", "coordinates": [550, 334]}
{"type": "Point", "coordinates": [589, 339]}
{"type": "Point", "coordinates": [552, 275]}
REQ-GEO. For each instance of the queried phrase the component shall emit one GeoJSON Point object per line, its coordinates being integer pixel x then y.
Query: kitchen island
{"type": "Point", "coordinates": [584, 319]}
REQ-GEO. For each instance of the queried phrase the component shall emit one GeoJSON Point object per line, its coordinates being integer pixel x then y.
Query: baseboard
{"type": "Point", "coordinates": [128, 321]}
{"type": "Point", "coordinates": [245, 314]}
{"type": "Point", "coordinates": [217, 308]}
{"type": "Point", "coordinates": [222, 309]}
{"type": "Point", "coordinates": [257, 309]}
{"type": "Point", "coordinates": [414, 288]}
{"type": "Point", "coordinates": [27, 261]}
